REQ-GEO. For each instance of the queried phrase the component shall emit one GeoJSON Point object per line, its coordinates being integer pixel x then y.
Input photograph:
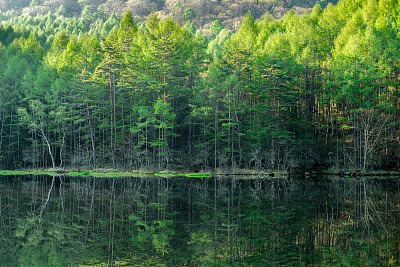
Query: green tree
{"type": "Point", "coordinates": [34, 3]}
{"type": "Point", "coordinates": [164, 122]}
{"type": "Point", "coordinates": [36, 121]}
{"type": "Point", "coordinates": [216, 27]}
{"type": "Point", "coordinates": [87, 14]}
{"type": "Point", "coordinates": [107, 73]}
{"type": "Point", "coordinates": [188, 14]}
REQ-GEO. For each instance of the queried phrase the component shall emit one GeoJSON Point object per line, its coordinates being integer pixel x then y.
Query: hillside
{"type": "Point", "coordinates": [200, 12]}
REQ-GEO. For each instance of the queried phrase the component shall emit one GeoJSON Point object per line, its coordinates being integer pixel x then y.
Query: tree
{"type": "Point", "coordinates": [216, 27]}
{"type": "Point", "coordinates": [34, 3]}
{"type": "Point", "coordinates": [188, 14]}
{"type": "Point", "coordinates": [37, 122]}
{"type": "Point", "coordinates": [87, 14]}
{"type": "Point", "coordinates": [164, 122]}
{"type": "Point", "coordinates": [107, 73]}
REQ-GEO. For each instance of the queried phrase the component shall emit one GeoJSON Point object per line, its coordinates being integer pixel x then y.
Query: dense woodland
{"type": "Point", "coordinates": [317, 89]}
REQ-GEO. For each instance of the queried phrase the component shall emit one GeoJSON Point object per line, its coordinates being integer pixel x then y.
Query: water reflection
{"type": "Point", "coordinates": [155, 221]}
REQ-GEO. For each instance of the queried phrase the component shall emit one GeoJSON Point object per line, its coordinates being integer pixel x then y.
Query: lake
{"type": "Point", "coordinates": [217, 221]}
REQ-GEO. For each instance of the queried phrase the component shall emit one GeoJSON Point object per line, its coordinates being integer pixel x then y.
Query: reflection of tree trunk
{"type": "Point", "coordinates": [61, 197]}
{"type": "Point", "coordinates": [354, 139]}
{"type": "Point", "coordinates": [366, 212]}
{"type": "Point", "coordinates": [215, 221]}
{"type": "Point", "coordinates": [48, 198]}
{"type": "Point", "coordinates": [111, 229]}
{"type": "Point", "coordinates": [91, 209]}
{"type": "Point", "coordinates": [273, 224]}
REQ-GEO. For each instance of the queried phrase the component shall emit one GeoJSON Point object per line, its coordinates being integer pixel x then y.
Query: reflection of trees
{"type": "Point", "coordinates": [354, 224]}
{"type": "Point", "coordinates": [182, 221]}
{"type": "Point", "coordinates": [297, 222]}
{"type": "Point", "coordinates": [42, 235]}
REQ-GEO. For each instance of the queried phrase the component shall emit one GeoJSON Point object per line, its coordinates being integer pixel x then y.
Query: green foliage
{"type": "Point", "coordinates": [87, 14]}
{"type": "Point", "coordinates": [34, 3]}
{"type": "Point", "coordinates": [188, 14]}
{"type": "Point", "coordinates": [216, 27]}
{"type": "Point", "coordinates": [276, 94]}
{"type": "Point", "coordinates": [164, 115]}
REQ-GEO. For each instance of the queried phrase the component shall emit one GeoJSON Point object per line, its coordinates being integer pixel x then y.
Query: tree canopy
{"type": "Point", "coordinates": [317, 89]}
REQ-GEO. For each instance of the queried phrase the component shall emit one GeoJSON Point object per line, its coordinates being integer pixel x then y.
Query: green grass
{"type": "Point", "coordinates": [79, 173]}
{"type": "Point", "coordinates": [7, 172]}
{"type": "Point", "coordinates": [198, 175]}
{"type": "Point", "coordinates": [201, 175]}
{"type": "Point", "coordinates": [110, 173]}
{"type": "Point", "coordinates": [106, 174]}
{"type": "Point", "coordinates": [85, 173]}
{"type": "Point", "coordinates": [102, 174]}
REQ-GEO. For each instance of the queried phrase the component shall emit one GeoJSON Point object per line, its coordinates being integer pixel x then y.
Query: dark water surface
{"type": "Point", "coordinates": [155, 221]}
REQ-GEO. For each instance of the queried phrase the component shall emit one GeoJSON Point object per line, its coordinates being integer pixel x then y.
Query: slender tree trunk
{"type": "Point", "coordinates": [48, 146]}
{"type": "Point", "coordinates": [1, 135]}
{"type": "Point", "coordinates": [90, 129]}
{"type": "Point", "coordinates": [111, 120]}
{"type": "Point", "coordinates": [115, 122]}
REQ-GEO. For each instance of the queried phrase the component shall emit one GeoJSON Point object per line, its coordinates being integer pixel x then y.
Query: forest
{"type": "Point", "coordinates": [318, 89]}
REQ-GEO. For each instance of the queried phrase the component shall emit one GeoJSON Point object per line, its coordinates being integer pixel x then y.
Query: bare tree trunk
{"type": "Point", "coordinates": [49, 147]}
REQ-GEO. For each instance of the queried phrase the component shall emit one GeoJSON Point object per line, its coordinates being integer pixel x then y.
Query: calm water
{"type": "Point", "coordinates": [154, 221]}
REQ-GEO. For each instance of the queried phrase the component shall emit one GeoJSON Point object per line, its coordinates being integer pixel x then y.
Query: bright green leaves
{"type": "Point", "coordinates": [32, 50]}
{"type": "Point", "coordinates": [127, 29]}
{"type": "Point", "coordinates": [215, 45]}
{"type": "Point", "coordinates": [246, 36]}
{"type": "Point", "coordinates": [164, 116]}
{"type": "Point", "coordinates": [159, 91]}
{"type": "Point", "coordinates": [59, 44]}
{"type": "Point", "coordinates": [36, 118]}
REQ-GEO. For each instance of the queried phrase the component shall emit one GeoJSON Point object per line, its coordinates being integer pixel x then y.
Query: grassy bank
{"type": "Point", "coordinates": [245, 173]}
{"type": "Point", "coordinates": [103, 173]}
{"type": "Point", "coordinates": [111, 173]}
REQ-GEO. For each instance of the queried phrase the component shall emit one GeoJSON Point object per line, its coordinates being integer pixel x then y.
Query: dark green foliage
{"type": "Point", "coordinates": [188, 14]}
{"type": "Point", "coordinates": [216, 27]}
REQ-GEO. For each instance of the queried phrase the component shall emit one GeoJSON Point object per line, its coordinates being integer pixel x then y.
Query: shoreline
{"type": "Point", "coordinates": [111, 173]}
{"type": "Point", "coordinates": [261, 174]}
